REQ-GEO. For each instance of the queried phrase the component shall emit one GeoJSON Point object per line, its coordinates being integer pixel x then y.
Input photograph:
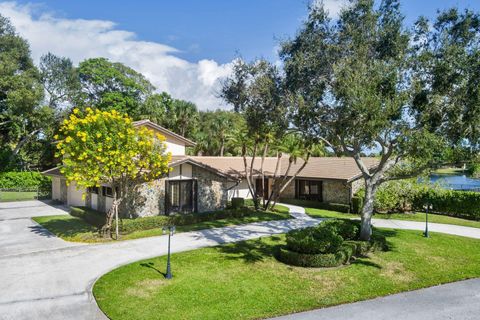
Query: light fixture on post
{"type": "Point", "coordinates": [170, 230]}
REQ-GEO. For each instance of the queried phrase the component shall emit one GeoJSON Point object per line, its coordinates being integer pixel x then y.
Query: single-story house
{"type": "Point", "coordinates": [202, 184]}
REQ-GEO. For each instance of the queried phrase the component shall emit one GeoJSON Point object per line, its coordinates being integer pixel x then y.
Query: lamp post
{"type": "Point", "coordinates": [170, 230]}
{"type": "Point", "coordinates": [427, 207]}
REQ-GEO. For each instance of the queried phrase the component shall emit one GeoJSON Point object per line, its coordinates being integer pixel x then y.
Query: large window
{"type": "Point", "coordinates": [181, 196]}
{"type": "Point", "coordinates": [308, 190]}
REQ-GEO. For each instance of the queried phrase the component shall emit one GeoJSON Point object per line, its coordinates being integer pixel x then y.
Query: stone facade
{"type": "Point", "coordinates": [336, 191]}
{"type": "Point", "coordinates": [149, 198]}
{"type": "Point", "coordinates": [211, 190]}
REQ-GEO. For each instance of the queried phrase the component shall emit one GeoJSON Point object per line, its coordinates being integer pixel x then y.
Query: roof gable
{"type": "Point", "coordinates": [167, 133]}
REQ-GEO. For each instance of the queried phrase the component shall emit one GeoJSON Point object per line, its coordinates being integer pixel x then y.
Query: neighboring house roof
{"type": "Point", "coordinates": [153, 125]}
{"type": "Point", "coordinates": [334, 168]}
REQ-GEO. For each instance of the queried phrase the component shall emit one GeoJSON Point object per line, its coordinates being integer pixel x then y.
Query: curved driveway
{"type": "Point", "coordinates": [43, 277]}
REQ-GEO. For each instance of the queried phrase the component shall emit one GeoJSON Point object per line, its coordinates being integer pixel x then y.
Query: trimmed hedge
{"type": "Point", "coordinates": [357, 204]}
{"type": "Point", "coordinates": [408, 195]}
{"type": "Point", "coordinates": [324, 245]}
{"type": "Point", "coordinates": [238, 203]}
{"type": "Point", "coordinates": [24, 180]}
{"type": "Point", "coordinates": [345, 208]}
{"type": "Point", "coordinates": [97, 218]}
{"type": "Point", "coordinates": [326, 260]}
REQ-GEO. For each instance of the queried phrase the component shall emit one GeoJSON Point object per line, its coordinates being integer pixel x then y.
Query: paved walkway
{"type": "Point", "coordinates": [43, 277]}
{"type": "Point", "coordinates": [453, 301]}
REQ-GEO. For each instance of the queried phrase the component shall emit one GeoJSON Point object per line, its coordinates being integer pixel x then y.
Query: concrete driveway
{"type": "Point", "coordinates": [20, 235]}
{"type": "Point", "coordinates": [43, 277]}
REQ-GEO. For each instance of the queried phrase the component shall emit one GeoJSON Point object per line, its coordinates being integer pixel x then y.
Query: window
{"type": "Point", "coordinates": [107, 192]}
{"type": "Point", "coordinates": [93, 190]}
{"type": "Point", "coordinates": [181, 196]}
{"type": "Point", "coordinates": [308, 190]}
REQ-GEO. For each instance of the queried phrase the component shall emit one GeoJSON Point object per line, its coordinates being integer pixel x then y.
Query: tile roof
{"type": "Point", "coordinates": [336, 168]}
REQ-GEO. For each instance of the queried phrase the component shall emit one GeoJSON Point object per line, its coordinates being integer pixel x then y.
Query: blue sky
{"type": "Point", "coordinates": [184, 47]}
{"type": "Point", "coordinates": [216, 29]}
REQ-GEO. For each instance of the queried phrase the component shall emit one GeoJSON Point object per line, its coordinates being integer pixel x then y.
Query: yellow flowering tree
{"type": "Point", "coordinates": [104, 147]}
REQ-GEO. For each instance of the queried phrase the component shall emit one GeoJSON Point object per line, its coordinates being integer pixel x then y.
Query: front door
{"type": "Point", "coordinates": [180, 196]}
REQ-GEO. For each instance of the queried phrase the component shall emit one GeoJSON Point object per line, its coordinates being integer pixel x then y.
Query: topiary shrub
{"type": "Point", "coordinates": [324, 245]}
{"type": "Point", "coordinates": [347, 229]}
{"type": "Point", "coordinates": [357, 204]}
{"type": "Point", "coordinates": [314, 240]}
{"type": "Point", "coordinates": [238, 203]}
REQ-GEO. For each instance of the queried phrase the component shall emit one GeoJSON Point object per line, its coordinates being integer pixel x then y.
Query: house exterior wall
{"type": "Point", "coordinates": [240, 191]}
{"type": "Point", "coordinates": [176, 148]}
{"type": "Point", "coordinates": [212, 191]}
{"type": "Point", "coordinates": [75, 196]}
{"type": "Point", "coordinates": [336, 191]}
{"type": "Point", "coordinates": [357, 185]}
{"type": "Point", "coordinates": [289, 191]}
{"type": "Point", "coordinates": [56, 189]}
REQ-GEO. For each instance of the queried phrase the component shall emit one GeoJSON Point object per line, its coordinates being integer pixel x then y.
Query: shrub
{"type": "Point", "coordinates": [345, 208]}
{"type": "Point", "coordinates": [347, 229]}
{"type": "Point", "coordinates": [323, 245]}
{"type": "Point", "coordinates": [97, 218]}
{"type": "Point", "coordinates": [238, 203]}
{"type": "Point", "coordinates": [314, 260]}
{"type": "Point", "coordinates": [412, 196]}
{"type": "Point", "coordinates": [314, 240]}
{"type": "Point", "coordinates": [24, 180]}
{"type": "Point", "coordinates": [357, 204]}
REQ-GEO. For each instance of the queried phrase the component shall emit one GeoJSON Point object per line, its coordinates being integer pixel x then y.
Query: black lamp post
{"type": "Point", "coordinates": [171, 230]}
{"type": "Point", "coordinates": [427, 207]}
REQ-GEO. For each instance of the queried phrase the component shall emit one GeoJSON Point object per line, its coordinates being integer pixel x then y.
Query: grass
{"type": "Point", "coordinates": [74, 229]}
{"type": "Point", "coordinates": [435, 218]}
{"type": "Point", "coordinates": [244, 281]}
{"type": "Point", "coordinates": [17, 195]}
{"type": "Point", "coordinates": [451, 170]}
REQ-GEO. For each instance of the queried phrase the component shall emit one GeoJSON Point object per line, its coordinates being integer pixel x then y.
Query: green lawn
{"type": "Point", "coordinates": [75, 229]}
{"type": "Point", "coordinates": [17, 196]}
{"type": "Point", "coordinates": [451, 170]}
{"type": "Point", "coordinates": [244, 280]}
{"type": "Point", "coordinates": [436, 218]}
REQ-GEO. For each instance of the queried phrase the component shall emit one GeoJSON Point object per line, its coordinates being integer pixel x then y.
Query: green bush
{"type": "Point", "coordinates": [357, 204]}
{"type": "Point", "coordinates": [474, 170]}
{"type": "Point", "coordinates": [24, 180]}
{"type": "Point", "coordinates": [408, 195]}
{"type": "Point", "coordinates": [347, 229]}
{"type": "Point", "coordinates": [238, 203]}
{"type": "Point", "coordinates": [324, 245]}
{"type": "Point", "coordinates": [314, 240]}
{"type": "Point", "coordinates": [345, 208]}
{"type": "Point", "coordinates": [326, 260]}
{"type": "Point", "coordinates": [97, 218]}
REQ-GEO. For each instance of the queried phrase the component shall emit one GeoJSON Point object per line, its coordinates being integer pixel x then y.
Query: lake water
{"type": "Point", "coordinates": [456, 181]}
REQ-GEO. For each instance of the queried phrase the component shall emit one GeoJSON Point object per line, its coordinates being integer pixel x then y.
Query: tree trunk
{"type": "Point", "coordinates": [222, 149]}
{"type": "Point", "coordinates": [367, 211]}
{"type": "Point", "coordinates": [265, 150]}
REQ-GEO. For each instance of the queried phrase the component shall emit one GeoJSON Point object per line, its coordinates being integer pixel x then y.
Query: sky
{"type": "Point", "coordinates": [183, 47]}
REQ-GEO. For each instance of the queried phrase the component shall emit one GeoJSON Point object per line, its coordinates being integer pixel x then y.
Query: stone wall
{"type": "Point", "coordinates": [148, 200]}
{"type": "Point", "coordinates": [211, 190]}
{"type": "Point", "coordinates": [336, 192]}
{"type": "Point", "coordinates": [357, 185]}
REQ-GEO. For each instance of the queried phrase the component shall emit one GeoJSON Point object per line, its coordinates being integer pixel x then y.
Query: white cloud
{"type": "Point", "coordinates": [80, 39]}
{"type": "Point", "coordinates": [333, 6]}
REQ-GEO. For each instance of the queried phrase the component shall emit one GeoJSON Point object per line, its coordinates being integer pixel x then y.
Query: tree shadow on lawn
{"type": "Point", "coordinates": [63, 228]}
{"type": "Point", "coordinates": [251, 251]}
